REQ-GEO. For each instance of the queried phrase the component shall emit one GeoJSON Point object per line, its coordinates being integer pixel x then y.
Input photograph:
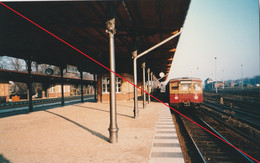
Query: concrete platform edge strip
{"type": "Point", "coordinates": [165, 146]}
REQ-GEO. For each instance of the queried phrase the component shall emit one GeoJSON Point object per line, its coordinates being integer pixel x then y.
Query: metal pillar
{"type": "Point", "coordinates": [113, 129]}
{"type": "Point", "coordinates": [148, 82]}
{"type": "Point", "coordinates": [144, 94]}
{"type": "Point", "coordinates": [136, 110]}
{"type": "Point", "coordinates": [95, 87]}
{"type": "Point", "coordinates": [223, 79]}
{"type": "Point", "coordinates": [242, 83]}
{"type": "Point", "coordinates": [29, 84]}
{"type": "Point", "coordinates": [151, 82]}
{"type": "Point", "coordinates": [216, 86]}
{"type": "Point", "coordinates": [81, 86]}
{"type": "Point", "coordinates": [62, 86]}
{"type": "Point", "coordinates": [45, 88]}
{"type": "Point", "coordinates": [135, 57]}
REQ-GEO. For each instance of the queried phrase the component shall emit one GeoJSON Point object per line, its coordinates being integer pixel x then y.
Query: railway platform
{"type": "Point", "coordinates": [79, 133]}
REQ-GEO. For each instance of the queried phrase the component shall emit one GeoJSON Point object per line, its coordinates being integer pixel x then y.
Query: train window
{"type": "Point", "coordinates": [185, 85]}
{"type": "Point", "coordinates": [174, 86]}
{"type": "Point", "coordinates": [196, 86]}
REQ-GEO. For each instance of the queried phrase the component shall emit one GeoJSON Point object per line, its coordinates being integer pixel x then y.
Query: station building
{"type": "Point", "coordinates": [4, 92]}
{"type": "Point", "coordinates": [124, 90]}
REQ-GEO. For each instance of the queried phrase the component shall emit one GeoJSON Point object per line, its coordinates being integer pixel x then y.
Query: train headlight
{"type": "Point", "coordinates": [176, 97]}
{"type": "Point", "coordinates": [196, 97]}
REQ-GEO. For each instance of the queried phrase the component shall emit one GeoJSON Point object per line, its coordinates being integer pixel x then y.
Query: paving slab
{"type": "Point", "coordinates": [166, 147]}
{"type": "Point", "coordinates": [79, 133]}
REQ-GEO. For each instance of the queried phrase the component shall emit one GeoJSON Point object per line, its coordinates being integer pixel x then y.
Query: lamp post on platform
{"type": "Point", "coordinates": [144, 94]}
{"type": "Point", "coordinates": [216, 75]}
{"type": "Point", "coordinates": [223, 79]}
{"type": "Point", "coordinates": [135, 57]}
{"type": "Point", "coordinates": [148, 83]}
{"type": "Point", "coordinates": [113, 129]}
{"type": "Point", "coordinates": [242, 77]}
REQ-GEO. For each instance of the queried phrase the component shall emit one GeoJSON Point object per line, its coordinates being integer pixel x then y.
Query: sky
{"type": "Point", "coordinates": [225, 29]}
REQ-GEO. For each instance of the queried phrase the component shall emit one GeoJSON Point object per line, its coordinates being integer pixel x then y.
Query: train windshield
{"type": "Point", "coordinates": [174, 86]}
{"type": "Point", "coordinates": [196, 86]}
{"type": "Point", "coordinates": [185, 85]}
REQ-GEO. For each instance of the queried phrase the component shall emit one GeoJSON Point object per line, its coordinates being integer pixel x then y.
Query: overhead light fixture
{"type": "Point", "coordinates": [172, 50]}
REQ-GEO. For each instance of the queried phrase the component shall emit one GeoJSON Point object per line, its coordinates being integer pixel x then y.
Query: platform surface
{"type": "Point", "coordinates": [166, 147]}
{"type": "Point", "coordinates": [79, 133]}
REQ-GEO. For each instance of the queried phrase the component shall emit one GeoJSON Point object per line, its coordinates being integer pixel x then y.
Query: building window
{"type": "Point", "coordinates": [52, 89]}
{"type": "Point", "coordinates": [118, 84]}
{"type": "Point", "coordinates": [66, 88]}
{"type": "Point", "coordinates": [106, 86]}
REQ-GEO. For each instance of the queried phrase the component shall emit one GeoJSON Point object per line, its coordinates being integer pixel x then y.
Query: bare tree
{"type": "Point", "coordinates": [17, 64]}
{"type": "Point", "coordinates": [88, 76]}
{"type": "Point", "coordinates": [39, 68]}
{"type": "Point", "coordinates": [3, 62]}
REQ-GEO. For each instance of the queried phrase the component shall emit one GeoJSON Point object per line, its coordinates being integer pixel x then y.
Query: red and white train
{"type": "Point", "coordinates": [185, 92]}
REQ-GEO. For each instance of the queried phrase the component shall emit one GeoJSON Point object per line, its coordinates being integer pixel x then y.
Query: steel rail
{"type": "Point", "coordinates": [225, 139]}
{"type": "Point", "coordinates": [236, 110]}
{"type": "Point", "coordinates": [229, 114]}
{"type": "Point", "coordinates": [192, 140]}
{"type": "Point", "coordinates": [232, 128]}
{"type": "Point", "coordinates": [216, 141]}
{"type": "Point", "coordinates": [40, 101]}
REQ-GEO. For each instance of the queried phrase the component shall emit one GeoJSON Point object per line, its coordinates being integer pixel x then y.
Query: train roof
{"type": "Point", "coordinates": [185, 78]}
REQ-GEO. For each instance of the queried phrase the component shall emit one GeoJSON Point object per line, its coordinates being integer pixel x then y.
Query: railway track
{"type": "Point", "coordinates": [22, 106]}
{"type": "Point", "coordinates": [253, 138]}
{"type": "Point", "coordinates": [209, 148]}
{"type": "Point", "coordinates": [241, 115]}
{"type": "Point", "coordinates": [236, 101]}
{"type": "Point", "coordinates": [238, 104]}
{"type": "Point", "coordinates": [38, 101]}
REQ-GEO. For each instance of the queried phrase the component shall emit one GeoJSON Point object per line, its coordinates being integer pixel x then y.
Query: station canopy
{"type": "Point", "coordinates": [140, 24]}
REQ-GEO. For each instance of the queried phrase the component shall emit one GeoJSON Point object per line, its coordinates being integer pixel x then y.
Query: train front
{"type": "Point", "coordinates": [185, 92]}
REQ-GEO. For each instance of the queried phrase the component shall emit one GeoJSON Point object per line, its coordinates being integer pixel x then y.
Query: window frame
{"type": "Point", "coordinates": [52, 88]}
{"type": "Point", "coordinates": [105, 85]}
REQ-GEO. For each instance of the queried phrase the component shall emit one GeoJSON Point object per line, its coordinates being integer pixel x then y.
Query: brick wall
{"type": "Point", "coordinates": [4, 90]}
{"type": "Point", "coordinates": [127, 90]}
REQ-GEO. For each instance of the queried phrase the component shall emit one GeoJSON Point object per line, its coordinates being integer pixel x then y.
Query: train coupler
{"type": "Point", "coordinates": [186, 104]}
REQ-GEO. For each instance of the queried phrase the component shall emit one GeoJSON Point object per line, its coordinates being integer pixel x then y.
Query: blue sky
{"type": "Point", "coordinates": [226, 29]}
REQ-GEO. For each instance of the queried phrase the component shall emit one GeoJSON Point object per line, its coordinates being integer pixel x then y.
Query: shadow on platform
{"type": "Point", "coordinates": [81, 126]}
{"type": "Point", "coordinates": [104, 111]}
{"type": "Point", "coordinates": [3, 159]}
